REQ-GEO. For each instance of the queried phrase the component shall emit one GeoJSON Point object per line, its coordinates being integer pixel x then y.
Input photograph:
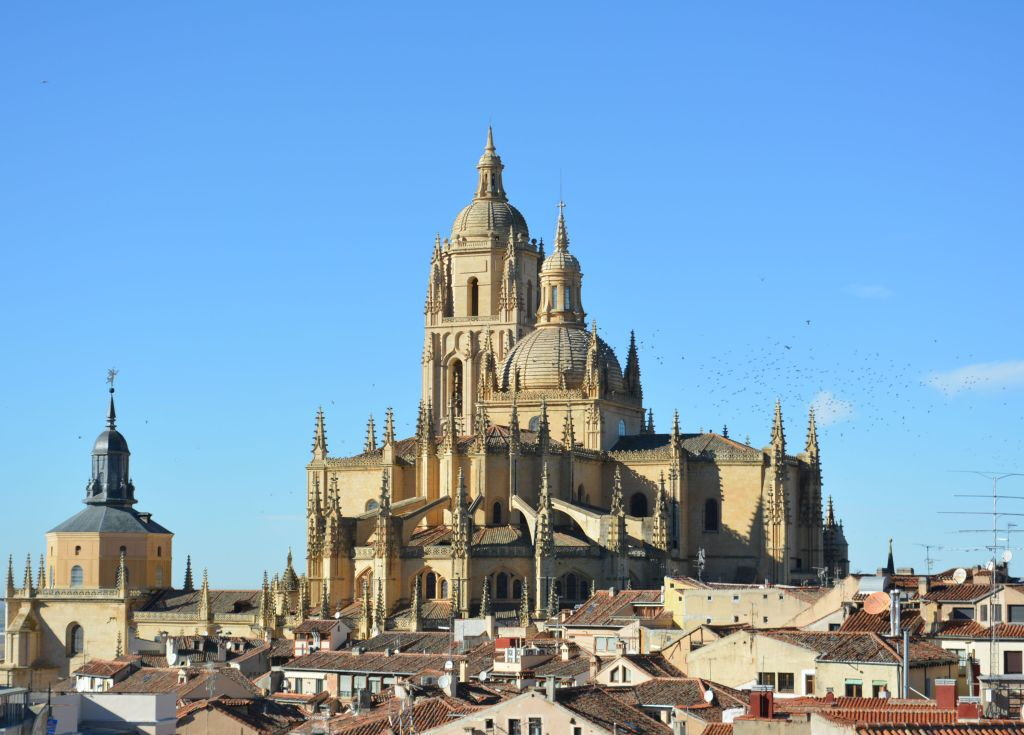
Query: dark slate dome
{"type": "Point", "coordinates": [109, 441]}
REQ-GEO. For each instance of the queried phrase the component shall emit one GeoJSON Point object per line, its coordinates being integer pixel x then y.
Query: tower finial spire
{"type": "Point", "coordinates": [111, 413]}
{"type": "Point", "coordinates": [489, 148]}
{"type": "Point", "coordinates": [561, 233]}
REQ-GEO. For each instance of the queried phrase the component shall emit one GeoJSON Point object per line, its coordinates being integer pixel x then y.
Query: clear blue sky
{"type": "Point", "coordinates": [235, 204]}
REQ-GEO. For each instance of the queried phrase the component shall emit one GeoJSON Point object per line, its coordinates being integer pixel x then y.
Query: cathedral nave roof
{"type": "Point", "coordinates": [701, 446]}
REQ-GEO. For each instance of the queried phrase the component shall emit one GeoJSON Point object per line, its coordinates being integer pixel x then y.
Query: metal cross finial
{"type": "Point", "coordinates": [561, 208]}
{"type": "Point", "coordinates": [111, 374]}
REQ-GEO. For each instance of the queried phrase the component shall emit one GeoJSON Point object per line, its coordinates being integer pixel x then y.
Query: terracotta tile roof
{"type": "Point", "coordinates": [960, 593]}
{"type": "Point", "coordinates": [167, 681]}
{"type": "Point", "coordinates": [654, 664]}
{"type": "Point", "coordinates": [612, 714]}
{"type": "Point", "coordinates": [263, 716]}
{"type": "Point", "coordinates": [430, 536]}
{"type": "Point", "coordinates": [603, 609]}
{"type": "Point", "coordinates": [221, 601]}
{"type": "Point", "coordinates": [974, 629]}
{"type": "Point", "coordinates": [422, 642]}
{"type": "Point", "coordinates": [315, 625]}
{"type": "Point", "coordinates": [349, 661]}
{"type": "Point", "coordinates": [498, 536]}
{"type": "Point", "coordinates": [863, 622]}
{"type": "Point", "coordinates": [282, 648]}
{"type": "Point", "coordinates": [717, 728]}
{"type": "Point", "coordinates": [98, 667]}
{"type": "Point", "coordinates": [993, 727]}
{"type": "Point", "coordinates": [860, 647]}
{"type": "Point", "coordinates": [685, 693]}
{"type": "Point", "coordinates": [427, 713]}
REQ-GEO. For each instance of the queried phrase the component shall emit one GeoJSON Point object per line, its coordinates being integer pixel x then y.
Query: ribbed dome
{"type": "Point", "coordinates": [109, 441]}
{"type": "Point", "coordinates": [548, 353]}
{"type": "Point", "coordinates": [489, 215]}
{"type": "Point", "coordinates": [560, 260]}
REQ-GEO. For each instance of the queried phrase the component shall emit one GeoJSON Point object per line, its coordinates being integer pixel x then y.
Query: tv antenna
{"type": "Point", "coordinates": [995, 548]}
{"type": "Point", "coordinates": [928, 561]}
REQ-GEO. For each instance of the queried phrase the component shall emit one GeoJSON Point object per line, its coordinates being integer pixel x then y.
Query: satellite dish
{"type": "Point", "coordinates": [443, 681]}
{"type": "Point", "coordinates": [990, 565]}
{"type": "Point", "coordinates": [483, 675]}
{"type": "Point", "coordinates": [1007, 556]}
{"type": "Point", "coordinates": [877, 603]}
{"type": "Point", "coordinates": [960, 575]}
{"type": "Point", "coordinates": [709, 696]}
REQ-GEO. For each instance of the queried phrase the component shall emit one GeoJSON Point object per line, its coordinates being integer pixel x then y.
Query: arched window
{"type": "Point", "coordinates": [571, 586]}
{"type": "Point", "coordinates": [529, 299]}
{"type": "Point", "coordinates": [711, 515]}
{"type": "Point", "coordinates": [534, 424]}
{"type": "Point", "coordinates": [430, 589]}
{"type": "Point", "coordinates": [502, 586]}
{"type": "Point", "coordinates": [78, 550]}
{"type": "Point", "coordinates": [371, 505]}
{"type": "Point", "coordinates": [496, 514]}
{"type": "Point", "coordinates": [622, 427]}
{"type": "Point", "coordinates": [124, 549]}
{"type": "Point", "coordinates": [517, 589]}
{"type": "Point", "coordinates": [473, 297]}
{"type": "Point", "coordinates": [76, 639]}
{"type": "Point", "coordinates": [638, 505]}
{"type": "Point", "coordinates": [77, 577]}
{"type": "Point", "coordinates": [554, 298]}
{"type": "Point", "coordinates": [158, 576]}
{"type": "Point", "coordinates": [457, 386]}
{"type": "Point", "coordinates": [444, 589]}
{"type": "Point", "coordinates": [159, 551]}
{"type": "Point", "coordinates": [568, 298]}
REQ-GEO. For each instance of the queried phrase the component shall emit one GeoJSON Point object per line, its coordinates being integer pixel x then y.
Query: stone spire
{"type": "Point", "coordinates": [489, 184]}
{"type": "Point", "coordinates": [365, 619]}
{"type": "Point", "coordinates": [617, 513]}
{"type": "Point", "coordinates": [117, 646]}
{"type": "Point", "coordinates": [371, 437]}
{"type": "Point", "coordinates": [513, 427]}
{"type": "Point", "coordinates": [524, 606]}
{"type": "Point", "coordinates": [830, 514]}
{"type": "Point", "coordinates": [266, 611]}
{"type": "Point", "coordinates": [325, 602]}
{"type": "Point", "coordinates": [568, 430]}
{"type": "Point", "coordinates": [812, 438]}
{"type": "Point", "coordinates": [450, 440]}
{"type": "Point", "coordinates": [543, 431]}
{"type": "Point", "coordinates": [41, 577]}
{"type": "Point", "coordinates": [485, 597]}
{"type": "Point", "coordinates": [561, 233]}
{"type": "Point", "coordinates": [890, 565]}
{"type": "Point", "coordinates": [26, 582]}
{"type": "Point", "coordinates": [204, 598]}
{"type": "Point", "coordinates": [592, 378]}
{"type": "Point", "coordinates": [414, 606]}
{"type": "Point", "coordinates": [778, 434]}
{"type": "Point", "coordinates": [384, 541]}
{"type": "Point", "coordinates": [189, 585]}
{"type": "Point", "coordinates": [552, 601]}
{"type": "Point", "coordinates": [320, 436]}
{"type": "Point", "coordinates": [650, 421]}
{"type": "Point", "coordinates": [544, 541]}
{"type": "Point", "coordinates": [303, 596]}
{"type": "Point", "coordinates": [460, 520]}
{"type": "Point", "coordinates": [659, 532]}
{"type": "Point", "coordinates": [480, 426]}
{"type": "Point", "coordinates": [389, 427]}
{"type": "Point", "coordinates": [379, 609]}
{"type": "Point", "coordinates": [425, 438]}
{"type": "Point", "coordinates": [631, 376]}
{"type": "Point", "coordinates": [10, 576]}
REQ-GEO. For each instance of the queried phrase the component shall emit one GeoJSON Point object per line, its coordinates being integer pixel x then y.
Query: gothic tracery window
{"type": "Point", "coordinates": [501, 591]}
{"type": "Point", "coordinates": [638, 505]}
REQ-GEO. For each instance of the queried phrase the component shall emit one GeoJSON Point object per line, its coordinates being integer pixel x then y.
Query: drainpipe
{"type": "Point", "coordinates": [906, 663]}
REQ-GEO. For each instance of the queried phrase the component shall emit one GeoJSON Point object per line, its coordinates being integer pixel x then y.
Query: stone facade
{"type": "Point", "coordinates": [536, 469]}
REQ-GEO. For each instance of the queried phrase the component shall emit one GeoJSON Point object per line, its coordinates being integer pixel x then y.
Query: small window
{"type": "Point", "coordinates": [159, 551]}
{"type": "Point", "coordinates": [711, 515]}
{"type": "Point", "coordinates": [786, 682]}
{"type": "Point", "coordinates": [854, 688]}
{"type": "Point", "coordinates": [1015, 613]}
{"type": "Point", "coordinates": [473, 297]}
{"type": "Point", "coordinates": [496, 518]}
{"type": "Point", "coordinates": [766, 678]}
{"type": "Point", "coordinates": [554, 297]}
{"type": "Point", "coordinates": [735, 598]}
{"type": "Point", "coordinates": [622, 427]}
{"type": "Point", "coordinates": [764, 619]}
{"type": "Point", "coordinates": [615, 675]}
{"type": "Point", "coordinates": [997, 613]}
{"type": "Point", "coordinates": [444, 589]}
{"type": "Point", "coordinates": [534, 424]}
{"type": "Point", "coordinates": [1012, 662]}
{"type": "Point", "coordinates": [984, 613]}
{"type": "Point", "coordinates": [568, 298]}
{"type": "Point", "coordinates": [488, 724]}
{"type": "Point", "coordinates": [962, 613]}
{"type": "Point", "coordinates": [832, 627]}
{"type": "Point", "coordinates": [535, 726]}
{"type": "Point", "coordinates": [78, 550]}
{"type": "Point", "coordinates": [514, 727]}
{"type": "Point", "coordinates": [809, 685]}
{"type": "Point", "coordinates": [638, 505]}
{"type": "Point", "coordinates": [735, 618]}
{"type": "Point", "coordinates": [76, 639]}
{"type": "Point", "coordinates": [627, 675]}
{"type": "Point", "coordinates": [430, 584]}
{"type": "Point", "coordinates": [77, 577]}
{"type": "Point", "coordinates": [124, 549]}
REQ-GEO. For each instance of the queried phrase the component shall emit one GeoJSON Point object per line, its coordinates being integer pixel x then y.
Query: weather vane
{"type": "Point", "coordinates": [111, 374]}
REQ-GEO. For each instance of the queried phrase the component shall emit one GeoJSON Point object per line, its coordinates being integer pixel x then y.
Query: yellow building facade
{"type": "Point", "coordinates": [536, 470]}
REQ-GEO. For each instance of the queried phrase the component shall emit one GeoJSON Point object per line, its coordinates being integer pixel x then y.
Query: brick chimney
{"type": "Point", "coordinates": [945, 693]}
{"type": "Point", "coordinates": [762, 702]}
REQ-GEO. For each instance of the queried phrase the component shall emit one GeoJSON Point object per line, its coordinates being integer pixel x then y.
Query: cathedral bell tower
{"type": "Point", "coordinates": [482, 295]}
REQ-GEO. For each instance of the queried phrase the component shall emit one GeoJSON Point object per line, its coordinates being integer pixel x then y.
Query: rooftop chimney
{"type": "Point", "coordinates": [611, 592]}
{"type": "Point", "coordinates": [945, 693]}
{"type": "Point", "coordinates": [762, 702]}
{"type": "Point", "coordinates": [549, 688]}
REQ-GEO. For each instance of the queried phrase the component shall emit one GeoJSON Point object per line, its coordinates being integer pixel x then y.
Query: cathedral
{"type": "Point", "coordinates": [536, 474]}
